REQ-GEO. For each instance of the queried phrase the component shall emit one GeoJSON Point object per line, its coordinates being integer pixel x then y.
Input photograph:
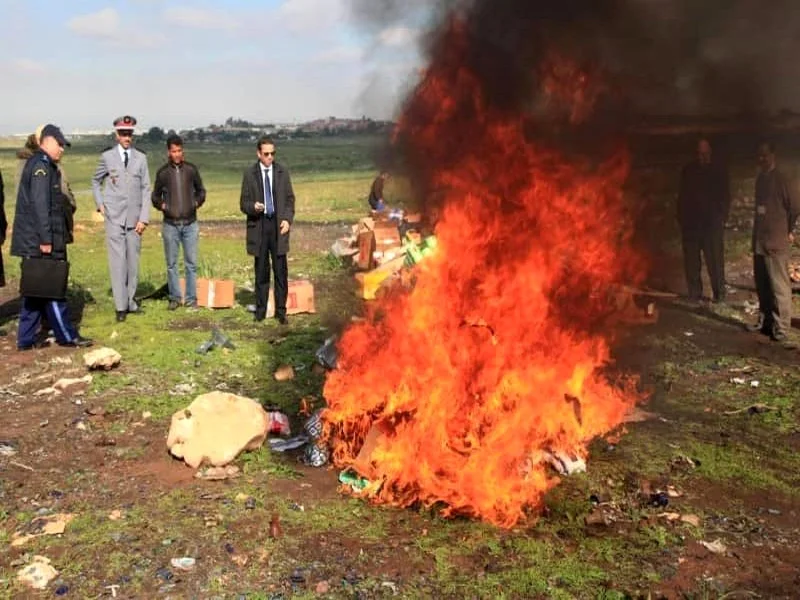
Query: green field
{"type": "Point", "coordinates": [331, 176]}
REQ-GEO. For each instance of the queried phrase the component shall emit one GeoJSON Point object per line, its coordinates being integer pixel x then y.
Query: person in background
{"type": "Point", "coordinates": [40, 230]}
{"type": "Point", "coordinates": [776, 212]}
{"type": "Point", "coordinates": [267, 199]}
{"type": "Point", "coordinates": [178, 192]}
{"type": "Point", "coordinates": [376, 192]}
{"type": "Point", "coordinates": [121, 187]}
{"type": "Point", "coordinates": [704, 203]}
{"type": "Point", "coordinates": [3, 230]}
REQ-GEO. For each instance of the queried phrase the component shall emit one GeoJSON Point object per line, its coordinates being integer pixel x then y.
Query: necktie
{"type": "Point", "coordinates": [126, 158]}
{"type": "Point", "coordinates": [269, 207]}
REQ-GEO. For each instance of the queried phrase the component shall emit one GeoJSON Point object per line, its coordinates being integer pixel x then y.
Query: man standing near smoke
{"type": "Point", "coordinates": [775, 216]}
{"type": "Point", "coordinates": [703, 205]}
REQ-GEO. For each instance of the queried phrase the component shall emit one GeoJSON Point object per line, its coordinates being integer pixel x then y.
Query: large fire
{"type": "Point", "coordinates": [499, 353]}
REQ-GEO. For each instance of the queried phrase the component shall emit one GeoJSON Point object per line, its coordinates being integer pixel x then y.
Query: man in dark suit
{"type": "Point", "coordinates": [268, 201]}
{"type": "Point", "coordinates": [703, 205]}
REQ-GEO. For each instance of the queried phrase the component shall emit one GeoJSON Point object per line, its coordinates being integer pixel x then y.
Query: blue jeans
{"type": "Point", "coordinates": [175, 236]}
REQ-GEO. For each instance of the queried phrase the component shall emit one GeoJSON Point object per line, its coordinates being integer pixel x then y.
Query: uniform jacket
{"type": "Point", "coordinates": [181, 189]}
{"type": "Point", "coordinates": [777, 209]}
{"type": "Point", "coordinates": [66, 190]}
{"type": "Point", "coordinates": [3, 221]}
{"type": "Point", "coordinates": [704, 199]}
{"type": "Point", "coordinates": [39, 217]}
{"type": "Point", "coordinates": [282, 196]}
{"type": "Point", "coordinates": [126, 194]}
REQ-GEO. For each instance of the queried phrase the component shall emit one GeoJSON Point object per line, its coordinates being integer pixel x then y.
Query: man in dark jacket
{"type": "Point", "coordinates": [776, 212]}
{"type": "Point", "coordinates": [40, 230]}
{"type": "Point", "coordinates": [267, 199]}
{"type": "Point", "coordinates": [178, 193]}
{"type": "Point", "coordinates": [375, 198]}
{"type": "Point", "coordinates": [703, 205]}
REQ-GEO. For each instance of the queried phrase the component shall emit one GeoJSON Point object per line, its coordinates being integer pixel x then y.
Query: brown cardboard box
{"type": "Point", "coordinates": [300, 298]}
{"type": "Point", "coordinates": [212, 293]}
{"type": "Point", "coordinates": [370, 282]}
{"type": "Point", "coordinates": [366, 246]}
{"type": "Point", "coordinates": [386, 236]}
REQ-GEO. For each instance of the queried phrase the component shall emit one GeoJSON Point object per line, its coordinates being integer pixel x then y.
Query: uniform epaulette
{"type": "Point", "coordinates": [140, 150]}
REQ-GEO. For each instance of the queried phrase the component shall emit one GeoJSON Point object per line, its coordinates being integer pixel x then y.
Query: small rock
{"type": "Point", "coordinates": [81, 426]}
{"type": "Point", "coordinates": [102, 358]}
{"type": "Point", "coordinates": [250, 503]}
{"type": "Point", "coordinates": [37, 574]}
{"type": "Point", "coordinates": [284, 373]}
{"type": "Point", "coordinates": [115, 515]}
{"type": "Point", "coordinates": [185, 563]}
{"type": "Point", "coordinates": [164, 574]}
{"type": "Point", "coordinates": [147, 414]}
{"type": "Point", "coordinates": [62, 590]}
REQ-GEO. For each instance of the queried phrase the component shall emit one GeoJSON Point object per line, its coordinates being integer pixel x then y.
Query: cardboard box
{"type": "Point", "coordinates": [300, 298]}
{"type": "Point", "coordinates": [212, 293]}
{"type": "Point", "coordinates": [386, 236]}
{"type": "Point", "coordinates": [370, 282]}
{"type": "Point", "coordinates": [366, 246]}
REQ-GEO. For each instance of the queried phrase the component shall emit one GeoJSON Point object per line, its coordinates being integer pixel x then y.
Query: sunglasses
{"type": "Point", "coordinates": [125, 133]}
{"type": "Point", "coordinates": [269, 153]}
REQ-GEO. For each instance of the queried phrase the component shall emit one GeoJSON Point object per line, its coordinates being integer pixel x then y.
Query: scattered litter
{"type": "Point", "coordinates": [684, 461]}
{"type": "Point", "coordinates": [316, 453]}
{"type": "Point", "coordinates": [278, 423]}
{"type": "Point", "coordinates": [738, 380]}
{"type": "Point", "coordinates": [65, 385]}
{"type": "Point", "coordinates": [218, 340]}
{"type": "Point", "coordinates": [692, 520]}
{"type": "Point", "coordinates": [164, 574]}
{"type": "Point", "coordinates": [7, 449]}
{"type": "Point", "coordinates": [113, 589]}
{"type": "Point", "coordinates": [218, 473]}
{"type": "Point", "coordinates": [284, 373]}
{"type": "Point", "coordinates": [750, 308]}
{"type": "Point", "coordinates": [102, 358]}
{"type": "Point", "coordinates": [744, 369]}
{"type": "Point", "coordinates": [688, 333]}
{"type": "Point", "coordinates": [250, 503]}
{"type": "Point", "coordinates": [391, 585]}
{"type": "Point", "coordinates": [282, 445]}
{"type": "Point", "coordinates": [62, 590]}
{"type": "Point", "coordinates": [354, 480]}
{"type": "Point", "coordinates": [753, 409]}
{"type": "Point", "coordinates": [327, 355]}
{"type": "Point", "coordinates": [38, 573]}
{"type": "Point", "coordinates": [672, 492]}
{"type": "Point", "coordinates": [185, 563]}
{"type": "Point", "coordinates": [115, 515]}
{"type": "Point", "coordinates": [297, 507]}
{"type": "Point", "coordinates": [323, 587]}
{"type": "Point", "coordinates": [660, 499]}
{"type": "Point", "coordinates": [565, 464]}
{"type": "Point", "coordinates": [755, 383]}
{"type": "Point", "coordinates": [48, 525]}
{"type": "Point", "coordinates": [717, 547]}
{"type": "Point", "coordinates": [81, 426]}
{"type": "Point", "coordinates": [147, 414]}
{"type": "Point", "coordinates": [637, 415]}
{"type": "Point", "coordinates": [275, 530]}
{"type": "Point", "coordinates": [240, 559]}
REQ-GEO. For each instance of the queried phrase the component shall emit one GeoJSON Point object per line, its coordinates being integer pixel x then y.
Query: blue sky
{"type": "Point", "coordinates": [174, 64]}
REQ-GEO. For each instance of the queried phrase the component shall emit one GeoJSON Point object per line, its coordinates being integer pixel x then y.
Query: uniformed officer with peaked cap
{"type": "Point", "coordinates": [121, 186]}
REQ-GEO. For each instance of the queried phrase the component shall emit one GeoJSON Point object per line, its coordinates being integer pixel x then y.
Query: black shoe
{"type": "Point", "coordinates": [258, 317]}
{"type": "Point", "coordinates": [173, 305]}
{"type": "Point", "coordinates": [121, 315]}
{"type": "Point", "coordinates": [79, 342]}
{"type": "Point", "coordinates": [282, 320]}
{"type": "Point", "coordinates": [37, 344]}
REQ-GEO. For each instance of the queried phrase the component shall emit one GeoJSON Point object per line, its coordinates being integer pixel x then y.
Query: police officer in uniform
{"type": "Point", "coordinates": [121, 187]}
{"type": "Point", "coordinates": [40, 230]}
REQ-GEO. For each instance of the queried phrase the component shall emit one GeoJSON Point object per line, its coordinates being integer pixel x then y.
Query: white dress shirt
{"type": "Point", "coordinates": [271, 188]}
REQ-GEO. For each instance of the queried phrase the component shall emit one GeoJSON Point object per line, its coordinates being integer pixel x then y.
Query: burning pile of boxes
{"type": "Point", "coordinates": [381, 246]}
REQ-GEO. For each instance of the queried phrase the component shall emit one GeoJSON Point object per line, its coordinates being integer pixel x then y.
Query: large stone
{"type": "Point", "coordinates": [102, 358]}
{"type": "Point", "coordinates": [215, 428]}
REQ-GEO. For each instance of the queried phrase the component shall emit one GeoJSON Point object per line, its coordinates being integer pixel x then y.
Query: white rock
{"type": "Point", "coordinates": [102, 358]}
{"type": "Point", "coordinates": [38, 573]}
{"type": "Point", "coordinates": [215, 428]}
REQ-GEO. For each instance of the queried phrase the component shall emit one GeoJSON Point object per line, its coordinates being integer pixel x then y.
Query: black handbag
{"type": "Point", "coordinates": [44, 278]}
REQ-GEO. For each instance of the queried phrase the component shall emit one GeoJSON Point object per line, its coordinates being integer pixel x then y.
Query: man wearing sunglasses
{"type": "Point", "coordinates": [267, 199]}
{"type": "Point", "coordinates": [121, 186]}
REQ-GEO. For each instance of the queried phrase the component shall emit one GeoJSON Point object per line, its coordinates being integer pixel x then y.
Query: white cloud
{"type": "Point", "coordinates": [398, 36]}
{"type": "Point", "coordinates": [102, 24]}
{"type": "Point", "coordinates": [338, 54]}
{"type": "Point", "coordinates": [199, 18]}
{"type": "Point", "coordinates": [27, 66]}
{"type": "Point", "coordinates": [311, 15]}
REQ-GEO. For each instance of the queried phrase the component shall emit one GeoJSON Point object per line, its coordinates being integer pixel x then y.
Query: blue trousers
{"type": "Point", "coordinates": [30, 320]}
{"type": "Point", "coordinates": [175, 237]}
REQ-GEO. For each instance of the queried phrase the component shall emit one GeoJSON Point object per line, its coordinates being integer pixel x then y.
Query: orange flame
{"type": "Point", "coordinates": [497, 354]}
